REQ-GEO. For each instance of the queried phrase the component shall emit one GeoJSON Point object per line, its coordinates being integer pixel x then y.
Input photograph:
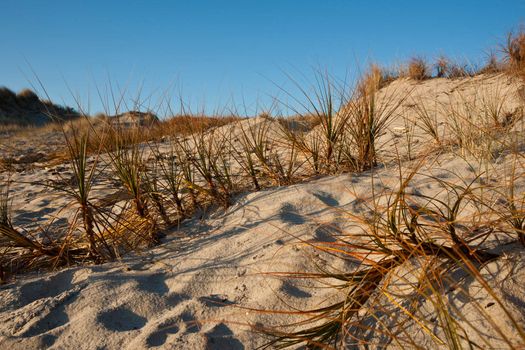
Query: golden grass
{"type": "Point", "coordinates": [417, 69]}
{"type": "Point", "coordinates": [514, 51]}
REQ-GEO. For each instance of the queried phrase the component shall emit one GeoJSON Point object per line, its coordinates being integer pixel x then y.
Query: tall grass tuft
{"type": "Point", "coordinates": [428, 119]}
{"type": "Point", "coordinates": [514, 51]}
{"type": "Point", "coordinates": [128, 164]}
{"type": "Point", "coordinates": [367, 117]}
{"type": "Point", "coordinates": [169, 169]}
{"type": "Point", "coordinates": [77, 143]}
{"type": "Point", "coordinates": [127, 160]}
{"type": "Point", "coordinates": [442, 67]}
{"type": "Point", "coordinates": [250, 148]}
{"type": "Point", "coordinates": [417, 69]}
{"type": "Point", "coordinates": [208, 170]}
{"type": "Point", "coordinates": [323, 104]}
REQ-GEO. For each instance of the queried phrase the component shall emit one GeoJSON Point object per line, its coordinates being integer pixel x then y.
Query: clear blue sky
{"type": "Point", "coordinates": [214, 50]}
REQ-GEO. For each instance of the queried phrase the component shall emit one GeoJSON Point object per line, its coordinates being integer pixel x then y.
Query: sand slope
{"type": "Point", "coordinates": [183, 293]}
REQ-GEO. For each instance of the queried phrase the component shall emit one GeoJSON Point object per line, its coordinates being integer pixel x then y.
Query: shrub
{"type": "Point", "coordinates": [442, 67]}
{"type": "Point", "coordinates": [514, 51]}
{"type": "Point", "coordinates": [417, 69]}
{"type": "Point", "coordinates": [7, 97]}
{"type": "Point", "coordinates": [492, 65]}
{"type": "Point", "coordinates": [28, 99]}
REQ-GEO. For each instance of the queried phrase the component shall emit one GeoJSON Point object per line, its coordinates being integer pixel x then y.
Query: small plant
{"type": "Point", "coordinates": [514, 51]}
{"type": "Point", "coordinates": [250, 147]}
{"type": "Point", "coordinates": [367, 118]}
{"type": "Point", "coordinates": [460, 70]}
{"type": "Point", "coordinates": [310, 145]}
{"type": "Point", "coordinates": [285, 165]}
{"type": "Point", "coordinates": [509, 207]}
{"type": "Point", "coordinates": [417, 69]}
{"type": "Point", "coordinates": [77, 145]}
{"type": "Point", "coordinates": [206, 153]}
{"type": "Point", "coordinates": [169, 168]}
{"type": "Point", "coordinates": [442, 67]}
{"type": "Point", "coordinates": [492, 65]}
{"type": "Point", "coordinates": [428, 119]}
{"type": "Point", "coordinates": [408, 132]}
{"type": "Point", "coordinates": [326, 105]}
{"type": "Point", "coordinates": [151, 185]}
{"type": "Point", "coordinates": [128, 163]}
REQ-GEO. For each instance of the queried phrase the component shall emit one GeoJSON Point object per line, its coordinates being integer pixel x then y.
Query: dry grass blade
{"type": "Point", "coordinates": [6, 228]}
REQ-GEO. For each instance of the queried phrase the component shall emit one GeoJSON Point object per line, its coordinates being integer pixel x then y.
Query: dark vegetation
{"type": "Point", "coordinates": [26, 108]}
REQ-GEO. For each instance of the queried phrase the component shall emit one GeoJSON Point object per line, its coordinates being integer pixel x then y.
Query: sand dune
{"type": "Point", "coordinates": [198, 289]}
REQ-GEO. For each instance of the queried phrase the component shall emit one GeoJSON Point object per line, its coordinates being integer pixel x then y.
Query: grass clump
{"type": "Point", "coordinates": [514, 51]}
{"type": "Point", "coordinates": [77, 145]}
{"type": "Point", "coordinates": [368, 116]}
{"type": "Point", "coordinates": [168, 172]}
{"type": "Point", "coordinates": [323, 104]}
{"type": "Point", "coordinates": [442, 67]}
{"type": "Point", "coordinates": [251, 149]}
{"type": "Point", "coordinates": [21, 251]}
{"type": "Point", "coordinates": [208, 169]}
{"type": "Point", "coordinates": [417, 69]}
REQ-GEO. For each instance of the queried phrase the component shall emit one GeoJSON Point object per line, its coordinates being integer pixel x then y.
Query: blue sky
{"type": "Point", "coordinates": [214, 52]}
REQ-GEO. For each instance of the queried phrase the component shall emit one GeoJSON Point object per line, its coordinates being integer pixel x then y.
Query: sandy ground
{"type": "Point", "coordinates": [194, 290]}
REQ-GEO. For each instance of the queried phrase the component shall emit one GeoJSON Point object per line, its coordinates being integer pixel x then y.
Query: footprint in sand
{"type": "Point", "coordinates": [49, 287]}
{"type": "Point", "coordinates": [288, 213]}
{"type": "Point", "coordinates": [294, 291]}
{"type": "Point", "coordinates": [192, 325]}
{"type": "Point", "coordinates": [216, 300]}
{"type": "Point", "coordinates": [173, 326]}
{"type": "Point", "coordinates": [42, 315]}
{"type": "Point", "coordinates": [121, 320]}
{"type": "Point", "coordinates": [221, 337]}
{"type": "Point", "coordinates": [326, 233]}
{"type": "Point", "coordinates": [159, 337]}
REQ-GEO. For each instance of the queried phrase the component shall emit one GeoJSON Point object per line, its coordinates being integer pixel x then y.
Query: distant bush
{"type": "Point", "coordinates": [28, 99]}
{"type": "Point", "coordinates": [514, 51]}
{"type": "Point", "coordinates": [7, 96]}
{"type": "Point", "coordinates": [417, 69]}
{"type": "Point", "coordinates": [450, 69]}
{"type": "Point", "coordinates": [442, 66]}
{"type": "Point", "coordinates": [376, 77]}
{"type": "Point", "coordinates": [461, 70]}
